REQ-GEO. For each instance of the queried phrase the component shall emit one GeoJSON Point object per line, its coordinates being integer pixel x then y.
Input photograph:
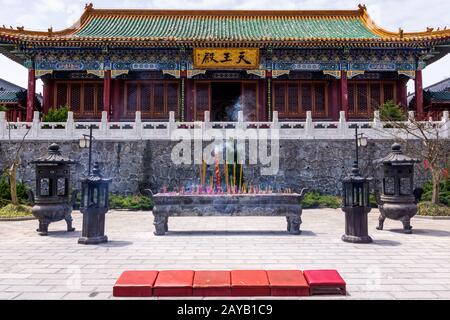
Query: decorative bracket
{"type": "Point", "coordinates": [41, 73]}
{"type": "Point", "coordinates": [98, 73]}
{"type": "Point", "coordinates": [279, 73]}
{"type": "Point", "coordinates": [193, 73]}
{"type": "Point", "coordinates": [353, 73]}
{"type": "Point", "coordinates": [174, 73]}
{"type": "Point", "coordinates": [258, 72]}
{"type": "Point", "coordinates": [409, 73]}
{"type": "Point", "coordinates": [117, 73]}
{"type": "Point", "coordinates": [334, 73]}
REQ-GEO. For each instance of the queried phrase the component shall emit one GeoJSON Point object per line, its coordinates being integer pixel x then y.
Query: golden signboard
{"type": "Point", "coordinates": [226, 58]}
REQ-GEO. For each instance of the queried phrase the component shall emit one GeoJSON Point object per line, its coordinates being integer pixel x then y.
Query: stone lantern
{"type": "Point", "coordinates": [52, 202]}
{"type": "Point", "coordinates": [356, 207]}
{"type": "Point", "coordinates": [94, 206]}
{"type": "Point", "coordinates": [397, 200]}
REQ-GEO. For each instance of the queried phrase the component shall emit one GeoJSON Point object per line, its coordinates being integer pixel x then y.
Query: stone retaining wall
{"type": "Point", "coordinates": [134, 165]}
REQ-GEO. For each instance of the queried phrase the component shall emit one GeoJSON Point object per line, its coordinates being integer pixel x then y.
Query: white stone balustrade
{"type": "Point", "coordinates": [162, 130]}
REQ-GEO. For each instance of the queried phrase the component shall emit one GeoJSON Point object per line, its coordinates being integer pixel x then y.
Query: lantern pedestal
{"type": "Point", "coordinates": [356, 225]}
{"type": "Point", "coordinates": [93, 228]}
{"type": "Point", "coordinates": [356, 207]}
{"type": "Point", "coordinates": [94, 206]}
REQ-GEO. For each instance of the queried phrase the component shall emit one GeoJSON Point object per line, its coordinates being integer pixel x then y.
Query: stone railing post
{"type": "Point", "coordinates": [343, 125]}
{"type": "Point", "coordinates": [104, 124]}
{"type": "Point", "coordinates": [138, 125]}
{"type": "Point", "coordinates": [411, 116]}
{"type": "Point", "coordinates": [35, 125]}
{"type": "Point", "coordinates": [70, 125]}
{"type": "Point", "coordinates": [2, 124]}
{"type": "Point", "coordinates": [309, 125]}
{"type": "Point", "coordinates": [241, 120]}
{"type": "Point", "coordinates": [445, 125]}
{"type": "Point", "coordinates": [377, 120]}
{"type": "Point", "coordinates": [206, 122]}
{"type": "Point", "coordinates": [172, 123]}
{"type": "Point", "coordinates": [275, 121]}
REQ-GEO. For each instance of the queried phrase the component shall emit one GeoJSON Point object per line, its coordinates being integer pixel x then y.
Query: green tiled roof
{"type": "Point", "coordinates": [438, 96]}
{"type": "Point", "coordinates": [8, 97]}
{"type": "Point", "coordinates": [223, 28]}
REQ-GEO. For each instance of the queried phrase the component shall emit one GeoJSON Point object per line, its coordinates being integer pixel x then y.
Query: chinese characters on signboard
{"type": "Point", "coordinates": [225, 58]}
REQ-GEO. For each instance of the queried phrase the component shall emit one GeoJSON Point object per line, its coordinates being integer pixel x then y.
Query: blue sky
{"type": "Point", "coordinates": [411, 15]}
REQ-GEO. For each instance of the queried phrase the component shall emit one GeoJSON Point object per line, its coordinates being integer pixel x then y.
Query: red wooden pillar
{"type": "Point", "coordinates": [344, 92]}
{"type": "Point", "coordinates": [419, 92]}
{"type": "Point", "coordinates": [31, 94]}
{"type": "Point", "coordinates": [402, 93]}
{"type": "Point", "coordinates": [117, 102]}
{"type": "Point", "coordinates": [189, 100]}
{"type": "Point", "coordinates": [48, 92]}
{"type": "Point", "coordinates": [107, 93]}
{"type": "Point", "coordinates": [334, 100]}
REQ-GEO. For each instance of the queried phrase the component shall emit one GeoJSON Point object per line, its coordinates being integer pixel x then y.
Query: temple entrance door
{"type": "Point", "coordinates": [226, 101]}
{"type": "Point", "coordinates": [249, 100]}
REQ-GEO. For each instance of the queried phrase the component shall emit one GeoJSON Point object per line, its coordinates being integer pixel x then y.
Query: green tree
{"type": "Point", "coordinates": [392, 112]}
{"type": "Point", "coordinates": [56, 115]}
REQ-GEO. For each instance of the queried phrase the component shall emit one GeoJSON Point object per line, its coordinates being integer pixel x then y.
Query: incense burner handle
{"type": "Point", "coordinates": [149, 193]}
{"type": "Point", "coordinates": [30, 195]}
{"type": "Point", "coordinates": [303, 193]}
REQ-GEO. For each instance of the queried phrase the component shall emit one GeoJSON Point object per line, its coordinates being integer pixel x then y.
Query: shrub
{"type": "Point", "coordinates": [314, 200]}
{"type": "Point", "coordinates": [135, 203]}
{"type": "Point", "coordinates": [56, 115]}
{"type": "Point", "coordinates": [5, 192]}
{"type": "Point", "coordinates": [392, 112]}
{"type": "Point", "coordinates": [444, 194]}
{"type": "Point", "coordinates": [433, 210]}
{"type": "Point", "coordinates": [3, 108]}
{"type": "Point", "coordinates": [12, 211]}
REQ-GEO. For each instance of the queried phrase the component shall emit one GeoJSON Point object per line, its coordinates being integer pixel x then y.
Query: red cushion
{"type": "Point", "coordinates": [324, 278]}
{"type": "Point", "coordinates": [288, 283]}
{"type": "Point", "coordinates": [212, 284]}
{"type": "Point", "coordinates": [253, 283]}
{"type": "Point", "coordinates": [175, 283]}
{"type": "Point", "coordinates": [135, 284]}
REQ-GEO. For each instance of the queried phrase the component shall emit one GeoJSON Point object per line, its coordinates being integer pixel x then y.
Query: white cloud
{"type": "Point", "coordinates": [411, 15]}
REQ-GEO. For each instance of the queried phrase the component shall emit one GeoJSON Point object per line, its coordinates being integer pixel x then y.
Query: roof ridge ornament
{"type": "Point", "coordinates": [89, 6]}
{"type": "Point", "coordinates": [362, 7]}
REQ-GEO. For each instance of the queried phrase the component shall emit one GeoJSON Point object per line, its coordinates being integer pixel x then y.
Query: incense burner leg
{"type": "Point", "coordinates": [381, 220]}
{"type": "Point", "coordinates": [161, 224]}
{"type": "Point", "coordinates": [166, 224]}
{"type": "Point", "coordinates": [69, 221]}
{"type": "Point", "coordinates": [407, 228]}
{"type": "Point", "coordinates": [293, 224]}
{"type": "Point", "coordinates": [43, 227]}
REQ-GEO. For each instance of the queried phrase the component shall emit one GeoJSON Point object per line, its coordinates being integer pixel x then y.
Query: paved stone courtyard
{"type": "Point", "coordinates": [395, 266]}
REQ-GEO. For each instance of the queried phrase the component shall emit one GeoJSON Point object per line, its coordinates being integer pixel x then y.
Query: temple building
{"type": "Point", "coordinates": [192, 61]}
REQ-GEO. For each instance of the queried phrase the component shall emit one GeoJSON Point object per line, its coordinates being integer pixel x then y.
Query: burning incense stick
{"type": "Point", "coordinates": [227, 178]}
{"type": "Point", "coordinates": [217, 173]}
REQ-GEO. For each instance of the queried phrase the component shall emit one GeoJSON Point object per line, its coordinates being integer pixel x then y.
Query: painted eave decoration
{"type": "Point", "coordinates": [216, 28]}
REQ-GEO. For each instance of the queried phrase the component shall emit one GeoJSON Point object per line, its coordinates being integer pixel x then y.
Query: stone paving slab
{"type": "Point", "coordinates": [395, 266]}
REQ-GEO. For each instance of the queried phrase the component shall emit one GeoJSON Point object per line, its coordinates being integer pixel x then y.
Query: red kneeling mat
{"type": "Point", "coordinates": [176, 283]}
{"type": "Point", "coordinates": [288, 283]}
{"type": "Point", "coordinates": [212, 284]}
{"type": "Point", "coordinates": [250, 283]}
{"type": "Point", "coordinates": [325, 282]}
{"type": "Point", "coordinates": [135, 284]}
